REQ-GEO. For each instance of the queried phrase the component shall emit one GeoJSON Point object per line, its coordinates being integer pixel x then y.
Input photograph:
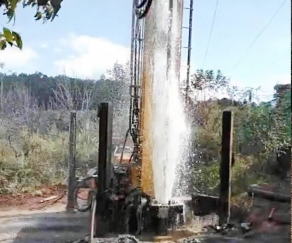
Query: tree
{"type": "Point", "coordinates": [119, 81]}
{"type": "Point", "coordinates": [46, 10]}
{"type": "Point", "coordinates": [262, 131]}
{"type": "Point", "coordinates": [208, 80]}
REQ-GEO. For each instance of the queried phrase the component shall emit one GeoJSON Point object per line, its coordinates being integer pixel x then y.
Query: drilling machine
{"type": "Point", "coordinates": [125, 200]}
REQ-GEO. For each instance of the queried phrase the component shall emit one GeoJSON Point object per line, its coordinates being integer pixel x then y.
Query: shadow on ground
{"type": "Point", "coordinates": [62, 227]}
{"type": "Point", "coordinates": [58, 227]}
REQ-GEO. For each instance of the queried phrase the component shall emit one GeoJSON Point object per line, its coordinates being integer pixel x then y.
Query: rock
{"type": "Point", "coordinates": [245, 226]}
{"type": "Point", "coordinates": [38, 193]}
{"type": "Point", "coordinates": [234, 232]}
{"type": "Point", "coordinates": [47, 190]}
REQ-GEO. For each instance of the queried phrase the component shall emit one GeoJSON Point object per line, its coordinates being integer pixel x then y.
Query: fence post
{"type": "Point", "coordinates": [1, 95]}
{"type": "Point", "coordinates": [71, 161]}
{"type": "Point", "coordinates": [105, 115]}
{"type": "Point", "coordinates": [225, 167]}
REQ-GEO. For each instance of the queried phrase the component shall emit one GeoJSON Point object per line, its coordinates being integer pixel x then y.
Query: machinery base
{"type": "Point", "coordinates": [165, 217]}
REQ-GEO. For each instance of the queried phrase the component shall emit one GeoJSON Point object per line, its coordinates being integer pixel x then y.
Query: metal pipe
{"type": "Point", "coordinates": [189, 50]}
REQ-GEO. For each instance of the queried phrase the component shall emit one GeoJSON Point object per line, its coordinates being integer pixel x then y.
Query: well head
{"type": "Point", "coordinates": [166, 217]}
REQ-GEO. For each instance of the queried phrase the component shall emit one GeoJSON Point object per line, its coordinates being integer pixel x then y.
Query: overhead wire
{"type": "Point", "coordinates": [211, 31]}
{"type": "Point", "coordinates": [259, 34]}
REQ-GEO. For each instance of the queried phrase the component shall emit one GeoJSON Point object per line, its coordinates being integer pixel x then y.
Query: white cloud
{"type": "Point", "coordinates": [283, 79]}
{"type": "Point", "coordinates": [57, 49]}
{"type": "Point", "coordinates": [13, 58]}
{"type": "Point", "coordinates": [44, 45]}
{"type": "Point", "coordinates": [91, 56]}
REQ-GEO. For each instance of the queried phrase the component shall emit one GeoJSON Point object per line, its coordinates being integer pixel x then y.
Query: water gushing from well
{"type": "Point", "coordinates": [168, 128]}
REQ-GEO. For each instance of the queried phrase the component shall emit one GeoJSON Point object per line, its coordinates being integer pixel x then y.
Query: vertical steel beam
{"type": "Point", "coordinates": [105, 146]}
{"type": "Point", "coordinates": [225, 167]}
{"type": "Point", "coordinates": [105, 115]}
{"type": "Point", "coordinates": [189, 51]}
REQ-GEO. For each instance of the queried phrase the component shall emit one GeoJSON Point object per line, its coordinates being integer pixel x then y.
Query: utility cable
{"type": "Point", "coordinates": [140, 5]}
{"type": "Point", "coordinates": [206, 53]}
{"type": "Point", "coordinates": [145, 5]}
{"type": "Point", "coordinates": [260, 33]}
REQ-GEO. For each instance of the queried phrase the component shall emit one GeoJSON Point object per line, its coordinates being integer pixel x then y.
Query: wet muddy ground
{"type": "Point", "coordinates": [62, 227]}
{"type": "Point", "coordinates": [48, 227]}
{"type": "Point", "coordinates": [27, 220]}
{"type": "Point", "coordinates": [30, 218]}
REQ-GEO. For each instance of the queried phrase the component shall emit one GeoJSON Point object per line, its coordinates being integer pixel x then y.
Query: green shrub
{"type": "Point", "coordinates": [34, 159]}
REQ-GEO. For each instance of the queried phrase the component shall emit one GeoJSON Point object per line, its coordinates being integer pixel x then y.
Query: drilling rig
{"type": "Point", "coordinates": [125, 199]}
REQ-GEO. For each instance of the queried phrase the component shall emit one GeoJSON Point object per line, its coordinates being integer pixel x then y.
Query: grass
{"type": "Point", "coordinates": [33, 159]}
{"type": "Point", "coordinates": [243, 173]}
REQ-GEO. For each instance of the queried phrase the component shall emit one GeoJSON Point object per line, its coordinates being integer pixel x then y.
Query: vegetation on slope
{"type": "Point", "coordinates": [35, 120]}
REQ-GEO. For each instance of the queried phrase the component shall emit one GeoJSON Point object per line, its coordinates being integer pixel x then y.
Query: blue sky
{"type": "Point", "coordinates": [86, 39]}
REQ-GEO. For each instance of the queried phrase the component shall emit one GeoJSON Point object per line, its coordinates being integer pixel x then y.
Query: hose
{"type": "Point", "coordinates": [146, 4]}
{"type": "Point", "coordinates": [93, 219]}
{"type": "Point", "coordinates": [131, 157]}
{"type": "Point", "coordinates": [140, 5]}
{"type": "Point", "coordinates": [124, 145]}
{"type": "Point", "coordinates": [81, 209]}
{"type": "Point", "coordinates": [82, 184]}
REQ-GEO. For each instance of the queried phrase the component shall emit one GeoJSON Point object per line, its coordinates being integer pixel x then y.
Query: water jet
{"type": "Point", "coordinates": [136, 197]}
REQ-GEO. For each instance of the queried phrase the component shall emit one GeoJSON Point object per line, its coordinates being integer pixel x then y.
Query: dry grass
{"type": "Point", "coordinates": [32, 160]}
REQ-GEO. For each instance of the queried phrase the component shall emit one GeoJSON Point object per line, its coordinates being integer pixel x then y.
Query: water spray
{"type": "Point", "coordinates": [137, 196]}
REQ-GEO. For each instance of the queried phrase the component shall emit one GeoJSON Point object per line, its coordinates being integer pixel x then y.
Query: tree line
{"type": "Point", "coordinates": [51, 91]}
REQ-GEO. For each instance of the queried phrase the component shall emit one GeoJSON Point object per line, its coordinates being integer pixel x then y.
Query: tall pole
{"type": "Point", "coordinates": [189, 51]}
{"type": "Point", "coordinates": [225, 167]}
{"type": "Point", "coordinates": [71, 161]}
{"type": "Point", "coordinates": [187, 88]}
{"type": "Point", "coordinates": [1, 95]}
{"type": "Point", "coordinates": [105, 115]}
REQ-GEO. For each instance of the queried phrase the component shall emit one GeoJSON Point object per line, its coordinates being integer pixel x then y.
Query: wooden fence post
{"type": "Point", "coordinates": [71, 161]}
{"type": "Point", "coordinates": [1, 94]}
{"type": "Point", "coordinates": [105, 115]}
{"type": "Point", "coordinates": [225, 167]}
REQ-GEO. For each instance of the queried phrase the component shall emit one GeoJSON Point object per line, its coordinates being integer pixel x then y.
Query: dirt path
{"type": "Point", "coordinates": [27, 219]}
{"type": "Point", "coordinates": [48, 227]}
{"type": "Point", "coordinates": [21, 203]}
{"type": "Point", "coordinates": [30, 218]}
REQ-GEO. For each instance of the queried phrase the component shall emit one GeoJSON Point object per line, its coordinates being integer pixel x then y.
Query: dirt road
{"type": "Point", "coordinates": [29, 221]}
{"type": "Point", "coordinates": [45, 227]}
{"type": "Point", "coordinates": [62, 227]}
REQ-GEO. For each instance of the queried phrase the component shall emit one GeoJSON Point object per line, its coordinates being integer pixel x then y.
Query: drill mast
{"type": "Point", "coordinates": [140, 10]}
